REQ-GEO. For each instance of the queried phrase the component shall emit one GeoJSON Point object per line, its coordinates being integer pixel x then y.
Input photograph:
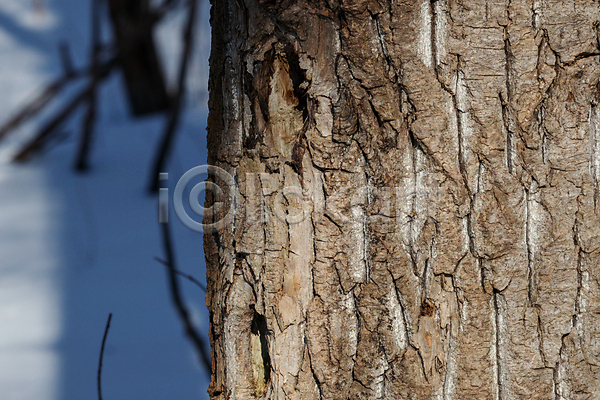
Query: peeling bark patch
{"type": "Point", "coordinates": [287, 103]}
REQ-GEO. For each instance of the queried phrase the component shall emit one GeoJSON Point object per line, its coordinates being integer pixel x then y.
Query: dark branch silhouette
{"type": "Point", "coordinates": [179, 303]}
{"type": "Point", "coordinates": [183, 274]}
{"type": "Point", "coordinates": [82, 164]}
{"type": "Point", "coordinates": [38, 104]}
{"type": "Point", "coordinates": [102, 357]}
{"type": "Point", "coordinates": [45, 134]}
{"type": "Point", "coordinates": [65, 57]}
{"type": "Point", "coordinates": [96, 72]}
{"type": "Point", "coordinates": [177, 101]}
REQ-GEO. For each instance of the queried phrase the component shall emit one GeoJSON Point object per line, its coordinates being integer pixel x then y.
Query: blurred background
{"type": "Point", "coordinates": [75, 247]}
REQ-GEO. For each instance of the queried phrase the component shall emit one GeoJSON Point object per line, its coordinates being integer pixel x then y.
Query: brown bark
{"type": "Point", "coordinates": [444, 242]}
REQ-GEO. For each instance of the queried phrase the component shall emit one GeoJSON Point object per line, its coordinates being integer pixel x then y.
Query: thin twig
{"type": "Point", "coordinates": [38, 103]}
{"type": "Point", "coordinates": [65, 57]}
{"type": "Point", "coordinates": [81, 163]}
{"type": "Point", "coordinates": [180, 306]}
{"type": "Point", "coordinates": [177, 103]}
{"type": "Point", "coordinates": [183, 274]}
{"type": "Point", "coordinates": [102, 356]}
{"type": "Point", "coordinates": [47, 130]}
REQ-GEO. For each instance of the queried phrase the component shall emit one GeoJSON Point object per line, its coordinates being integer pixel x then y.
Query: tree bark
{"type": "Point", "coordinates": [416, 214]}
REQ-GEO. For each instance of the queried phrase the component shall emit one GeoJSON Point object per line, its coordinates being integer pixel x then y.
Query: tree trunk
{"type": "Point", "coordinates": [416, 210]}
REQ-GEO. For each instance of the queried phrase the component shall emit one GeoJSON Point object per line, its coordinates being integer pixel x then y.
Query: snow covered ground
{"type": "Point", "coordinates": [74, 248]}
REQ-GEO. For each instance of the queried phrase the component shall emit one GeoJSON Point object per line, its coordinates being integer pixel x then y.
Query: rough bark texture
{"type": "Point", "coordinates": [445, 239]}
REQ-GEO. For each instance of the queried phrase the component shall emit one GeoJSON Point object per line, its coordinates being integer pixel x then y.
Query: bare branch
{"type": "Point", "coordinates": [54, 88]}
{"type": "Point", "coordinates": [102, 357]}
{"type": "Point", "coordinates": [177, 102]}
{"type": "Point", "coordinates": [38, 103]}
{"type": "Point", "coordinates": [81, 164]}
{"type": "Point", "coordinates": [47, 130]}
{"type": "Point", "coordinates": [65, 57]}
{"type": "Point", "coordinates": [183, 274]}
{"type": "Point", "coordinates": [179, 304]}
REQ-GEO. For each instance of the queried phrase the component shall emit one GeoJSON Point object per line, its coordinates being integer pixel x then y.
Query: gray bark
{"type": "Point", "coordinates": [417, 206]}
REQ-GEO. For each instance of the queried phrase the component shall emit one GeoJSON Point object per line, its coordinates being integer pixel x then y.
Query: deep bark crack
{"type": "Point", "coordinates": [507, 114]}
{"type": "Point", "coordinates": [530, 255]}
{"type": "Point", "coordinates": [498, 358]}
{"type": "Point", "coordinates": [594, 156]}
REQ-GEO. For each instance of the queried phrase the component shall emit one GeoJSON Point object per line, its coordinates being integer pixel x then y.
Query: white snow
{"type": "Point", "coordinates": [74, 248]}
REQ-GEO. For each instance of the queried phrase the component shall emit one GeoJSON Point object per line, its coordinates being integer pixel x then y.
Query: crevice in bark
{"type": "Point", "coordinates": [298, 77]}
{"type": "Point", "coordinates": [594, 156]}
{"type": "Point", "coordinates": [388, 59]}
{"type": "Point", "coordinates": [507, 103]}
{"type": "Point", "coordinates": [557, 379]}
{"type": "Point", "coordinates": [315, 250]}
{"type": "Point", "coordinates": [597, 26]}
{"type": "Point", "coordinates": [528, 227]}
{"type": "Point", "coordinates": [498, 344]}
{"type": "Point", "coordinates": [582, 56]}
{"type": "Point", "coordinates": [540, 335]}
{"type": "Point", "coordinates": [258, 102]}
{"type": "Point", "coordinates": [469, 228]}
{"type": "Point", "coordinates": [434, 44]}
{"type": "Point", "coordinates": [424, 369]}
{"type": "Point", "coordinates": [470, 232]}
{"type": "Point", "coordinates": [259, 328]}
{"type": "Point", "coordinates": [541, 129]}
{"type": "Point", "coordinates": [246, 272]}
{"type": "Point", "coordinates": [482, 274]}
{"type": "Point", "coordinates": [459, 109]}
{"type": "Point", "coordinates": [366, 230]}
{"type": "Point", "coordinates": [426, 151]}
{"type": "Point", "coordinates": [358, 330]}
{"type": "Point", "coordinates": [314, 375]}
{"type": "Point", "coordinates": [415, 148]}
{"type": "Point", "coordinates": [380, 120]}
{"type": "Point", "coordinates": [415, 144]}
{"type": "Point", "coordinates": [578, 309]}
{"type": "Point", "coordinates": [405, 318]}
{"type": "Point", "coordinates": [355, 379]}
{"type": "Point", "coordinates": [509, 134]}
